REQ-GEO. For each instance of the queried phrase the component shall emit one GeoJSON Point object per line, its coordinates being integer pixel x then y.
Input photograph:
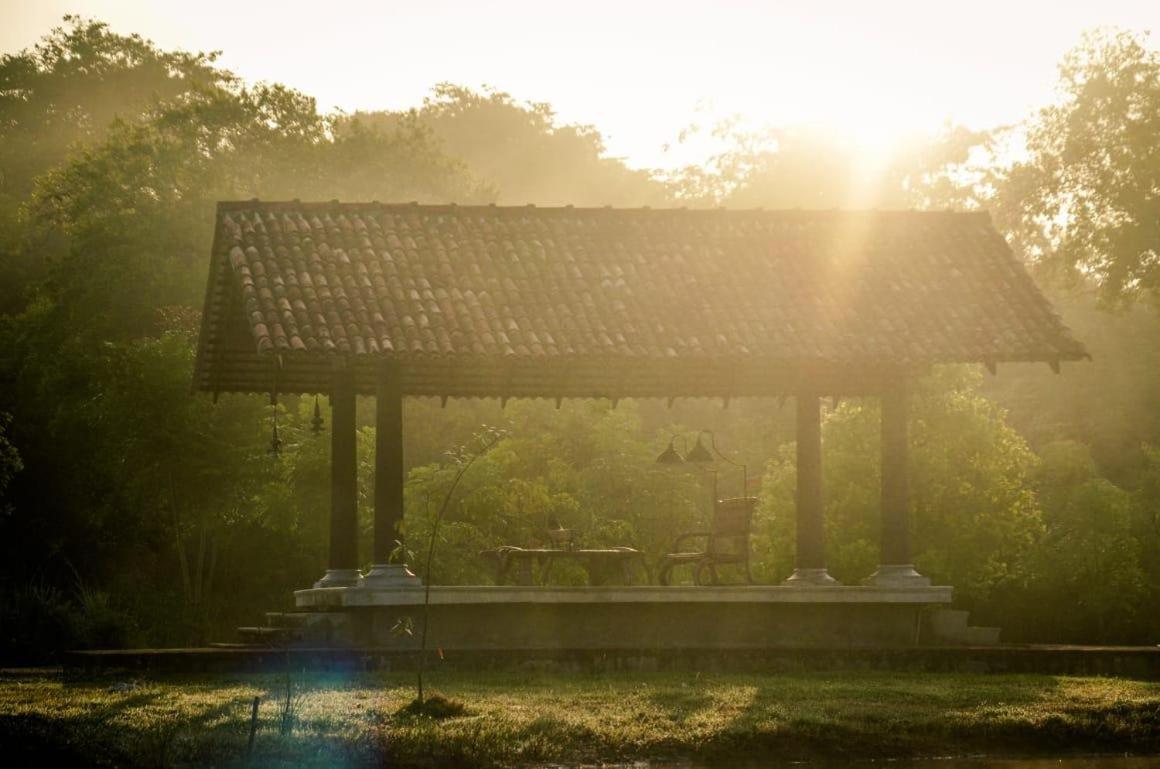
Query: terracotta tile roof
{"type": "Point", "coordinates": [440, 285]}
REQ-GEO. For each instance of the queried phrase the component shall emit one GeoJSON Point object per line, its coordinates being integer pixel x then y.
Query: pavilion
{"type": "Point", "coordinates": [523, 302]}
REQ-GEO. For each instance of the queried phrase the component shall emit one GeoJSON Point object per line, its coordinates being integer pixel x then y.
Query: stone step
{"type": "Point", "coordinates": [291, 618]}
{"type": "Point", "coordinates": [295, 628]}
{"type": "Point", "coordinates": [270, 636]}
{"type": "Point", "coordinates": [982, 636]}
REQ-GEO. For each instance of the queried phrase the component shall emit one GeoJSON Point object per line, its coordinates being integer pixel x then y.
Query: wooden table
{"type": "Point", "coordinates": [598, 563]}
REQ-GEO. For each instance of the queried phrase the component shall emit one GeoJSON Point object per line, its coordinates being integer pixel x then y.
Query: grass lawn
{"type": "Point", "coordinates": [533, 718]}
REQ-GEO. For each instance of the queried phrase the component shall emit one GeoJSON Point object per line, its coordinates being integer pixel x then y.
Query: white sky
{"type": "Point", "coordinates": [639, 71]}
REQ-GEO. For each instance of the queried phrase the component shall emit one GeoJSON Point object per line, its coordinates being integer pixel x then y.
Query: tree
{"type": "Point", "coordinates": [125, 223]}
{"type": "Point", "coordinates": [127, 479]}
{"type": "Point", "coordinates": [1089, 557]}
{"type": "Point", "coordinates": [1110, 404]}
{"type": "Point", "coordinates": [520, 150]}
{"type": "Point", "coordinates": [69, 88]}
{"type": "Point", "coordinates": [1146, 530]}
{"type": "Point", "coordinates": [1085, 203]}
{"type": "Point", "coordinates": [799, 167]}
{"type": "Point", "coordinates": [66, 92]}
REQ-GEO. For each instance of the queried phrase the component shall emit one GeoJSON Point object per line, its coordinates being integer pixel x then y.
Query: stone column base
{"type": "Point", "coordinates": [388, 575]}
{"type": "Point", "coordinates": [805, 577]}
{"type": "Point", "coordinates": [339, 578]}
{"type": "Point", "coordinates": [897, 575]}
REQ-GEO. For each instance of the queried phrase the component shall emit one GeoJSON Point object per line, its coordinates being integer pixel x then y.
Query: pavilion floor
{"type": "Point", "coordinates": [632, 617]}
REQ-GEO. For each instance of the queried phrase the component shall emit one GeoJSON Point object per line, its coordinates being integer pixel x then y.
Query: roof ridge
{"type": "Point", "coordinates": [492, 208]}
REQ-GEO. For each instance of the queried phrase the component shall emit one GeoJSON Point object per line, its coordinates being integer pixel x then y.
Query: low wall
{"type": "Point", "coordinates": [1132, 662]}
{"type": "Point", "coordinates": [646, 627]}
{"type": "Point", "coordinates": [645, 618]}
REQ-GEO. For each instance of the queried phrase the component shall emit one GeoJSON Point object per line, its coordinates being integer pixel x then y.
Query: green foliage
{"type": "Point", "coordinates": [1083, 204]}
{"type": "Point", "coordinates": [70, 87]}
{"type": "Point", "coordinates": [129, 479]}
{"type": "Point", "coordinates": [1089, 552]}
{"type": "Point", "coordinates": [10, 463]}
{"type": "Point", "coordinates": [1111, 404]}
{"type": "Point", "coordinates": [1146, 529]}
{"type": "Point", "coordinates": [78, 83]}
{"type": "Point", "coordinates": [38, 621]}
{"type": "Point", "coordinates": [520, 150]}
{"type": "Point", "coordinates": [125, 223]}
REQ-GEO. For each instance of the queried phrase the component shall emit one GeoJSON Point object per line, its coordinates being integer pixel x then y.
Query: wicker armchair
{"type": "Point", "coordinates": [726, 543]}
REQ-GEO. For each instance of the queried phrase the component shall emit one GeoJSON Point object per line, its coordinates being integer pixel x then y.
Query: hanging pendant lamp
{"type": "Point", "coordinates": [316, 425]}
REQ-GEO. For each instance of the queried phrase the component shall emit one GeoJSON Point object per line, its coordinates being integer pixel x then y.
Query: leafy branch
{"type": "Point", "coordinates": [463, 456]}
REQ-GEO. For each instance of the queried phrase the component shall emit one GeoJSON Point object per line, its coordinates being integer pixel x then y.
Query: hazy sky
{"type": "Point", "coordinates": [639, 71]}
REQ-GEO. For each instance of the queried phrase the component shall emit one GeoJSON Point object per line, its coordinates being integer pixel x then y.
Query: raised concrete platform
{"type": "Point", "coordinates": [634, 617]}
{"type": "Point", "coordinates": [343, 597]}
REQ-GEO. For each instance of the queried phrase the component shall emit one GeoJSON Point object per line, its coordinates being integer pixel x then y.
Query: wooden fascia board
{"type": "Point", "coordinates": [209, 320]}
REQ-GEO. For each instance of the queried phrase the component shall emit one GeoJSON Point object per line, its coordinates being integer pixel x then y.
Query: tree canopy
{"type": "Point", "coordinates": [1085, 202]}
{"type": "Point", "coordinates": [520, 150]}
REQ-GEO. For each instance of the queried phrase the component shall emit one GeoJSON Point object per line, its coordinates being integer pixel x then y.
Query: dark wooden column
{"type": "Point", "coordinates": [895, 567]}
{"type": "Point", "coordinates": [895, 485]}
{"type": "Point", "coordinates": [810, 562]}
{"type": "Point", "coordinates": [388, 463]}
{"type": "Point", "coordinates": [388, 482]}
{"type": "Point", "coordinates": [342, 568]}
